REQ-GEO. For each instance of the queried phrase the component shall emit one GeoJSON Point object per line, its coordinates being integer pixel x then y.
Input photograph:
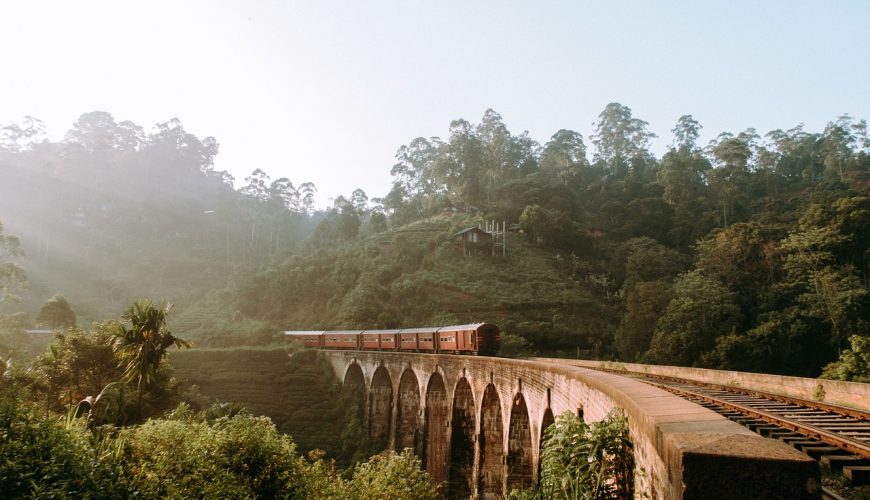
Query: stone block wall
{"type": "Point", "coordinates": [681, 450]}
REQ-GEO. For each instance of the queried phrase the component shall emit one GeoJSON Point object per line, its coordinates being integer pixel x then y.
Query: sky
{"type": "Point", "coordinates": [327, 91]}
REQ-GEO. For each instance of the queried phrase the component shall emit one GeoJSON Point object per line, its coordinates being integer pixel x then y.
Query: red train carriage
{"type": "Point", "coordinates": [379, 340]}
{"type": "Point", "coordinates": [418, 339]}
{"type": "Point", "coordinates": [344, 339]}
{"type": "Point", "coordinates": [486, 339]}
{"type": "Point", "coordinates": [475, 338]}
{"type": "Point", "coordinates": [308, 338]}
{"type": "Point", "coordinates": [409, 342]}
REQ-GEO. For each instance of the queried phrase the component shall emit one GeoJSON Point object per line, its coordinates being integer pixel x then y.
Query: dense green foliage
{"type": "Point", "coordinates": [584, 461]}
{"type": "Point", "coordinates": [56, 313]}
{"type": "Point", "coordinates": [854, 363]}
{"type": "Point", "coordinates": [118, 370]}
{"type": "Point", "coordinates": [748, 253]}
{"type": "Point", "coordinates": [117, 374]}
{"type": "Point", "coordinates": [187, 455]}
{"type": "Point", "coordinates": [392, 476]}
{"type": "Point", "coordinates": [236, 457]}
{"type": "Point", "coordinates": [45, 458]}
{"type": "Point", "coordinates": [413, 276]}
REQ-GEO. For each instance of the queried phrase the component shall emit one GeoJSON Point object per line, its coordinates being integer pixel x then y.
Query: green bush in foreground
{"type": "Point", "coordinates": [584, 461]}
{"type": "Point", "coordinates": [49, 457]}
{"type": "Point", "coordinates": [392, 476]}
{"type": "Point", "coordinates": [222, 453]}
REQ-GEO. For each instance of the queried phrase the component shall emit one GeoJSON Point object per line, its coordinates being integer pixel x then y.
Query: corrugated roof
{"type": "Point", "coordinates": [475, 228]}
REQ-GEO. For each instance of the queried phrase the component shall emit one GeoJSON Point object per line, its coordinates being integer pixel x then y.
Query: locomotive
{"type": "Point", "coordinates": [474, 339]}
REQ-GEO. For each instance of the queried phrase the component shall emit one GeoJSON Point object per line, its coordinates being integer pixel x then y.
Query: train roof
{"type": "Point", "coordinates": [430, 329]}
{"type": "Point", "coordinates": [470, 326]}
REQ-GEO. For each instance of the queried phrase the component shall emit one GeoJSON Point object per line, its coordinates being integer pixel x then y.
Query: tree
{"type": "Point", "coordinates": [819, 265]}
{"type": "Point", "coordinates": [56, 313]}
{"type": "Point", "coordinates": [838, 141]}
{"type": "Point", "coordinates": [702, 309]}
{"type": "Point", "coordinates": [459, 166]}
{"type": "Point", "coordinates": [542, 224]}
{"type": "Point", "coordinates": [15, 137]}
{"type": "Point", "coordinates": [143, 346]}
{"type": "Point", "coordinates": [686, 133]}
{"type": "Point", "coordinates": [79, 363]}
{"type": "Point", "coordinates": [96, 131]}
{"type": "Point", "coordinates": [733, 158]}
{"type": "Point", "coordinates": [744, 256]}
{"type": "Point", "coordinates": [645, 303]}
{"type": "Point", "coordinates": [564, 156]}
{"type": "Point", "coordinates": [258, 186]}
{"type": "Point", "coordinates": [620, 138]}
{"type": "Point", "coordinates": [392, 475]}
{"type": "Point", "coordinates": [12, 275]}
{"type": "Point", "coordinates": [854, 363]}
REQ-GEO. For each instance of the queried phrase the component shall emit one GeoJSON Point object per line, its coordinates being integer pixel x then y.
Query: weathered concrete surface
{"type": "Point", "coordinates": [835, 392]}
{"type": "Point", "coordinates": [681, 450]}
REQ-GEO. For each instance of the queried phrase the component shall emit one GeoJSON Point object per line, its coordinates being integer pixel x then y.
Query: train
{"type": "Point", "coordinates": [472, 339]}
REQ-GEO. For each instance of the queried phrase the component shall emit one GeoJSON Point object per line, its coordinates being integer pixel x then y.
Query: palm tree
{"type": "Point", "coordinates": [143, 346]}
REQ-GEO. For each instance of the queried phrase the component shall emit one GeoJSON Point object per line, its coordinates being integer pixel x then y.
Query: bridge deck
{"type": "Point", "coordinates": [682, 450]}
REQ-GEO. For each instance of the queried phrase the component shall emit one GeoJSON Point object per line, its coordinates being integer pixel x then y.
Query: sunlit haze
{"type": "Point", "coordinates": [328, 91]}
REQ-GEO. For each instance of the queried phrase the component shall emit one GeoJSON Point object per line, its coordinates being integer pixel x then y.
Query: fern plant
{"type": "Point", "coordinates": [582, 461]}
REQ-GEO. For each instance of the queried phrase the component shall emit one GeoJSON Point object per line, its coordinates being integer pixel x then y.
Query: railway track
{"type": "Point", "coordinates": [838, 437]}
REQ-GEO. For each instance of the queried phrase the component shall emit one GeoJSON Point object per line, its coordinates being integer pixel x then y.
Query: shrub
{"type": "Point", "coordinates": [392, 476]}
{"type": "Point", "coordinates": [49, 457]}
{"type": "Point", "coordinates": [238, 457]}
{"type": "Point", "coordinates": [584, 461]}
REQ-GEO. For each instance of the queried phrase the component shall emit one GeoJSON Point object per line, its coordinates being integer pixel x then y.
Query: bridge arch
{"type": "Point", "coordinates": [354, 376]}
{"type": "Point", "coordinates": [676, 443]}
{"type": "Point", "coordinates": [354, 389]}
{"type": "Point", "coordinates": [462, 426]}
{"type": "Point", "coordinates": [491, 483]}
{"type": "Point", "coordinates": [408, 413]}
{"type": "Point", "coordinates": [380, 408]}
{"type": "Point", "coordinates": [519, 458]}
{"type": "Point", "coordinates": [546, 421]}
{"type": "Point", "coordinates": [435, 430]}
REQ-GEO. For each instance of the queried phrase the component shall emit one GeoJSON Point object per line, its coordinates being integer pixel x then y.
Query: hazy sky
{"type": "Point", "coordinates": [327, 91]}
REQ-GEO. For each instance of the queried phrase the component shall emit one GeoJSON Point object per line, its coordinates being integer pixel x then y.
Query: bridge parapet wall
{"type": "Point", "coordinates": [681, 450]}
{"type": "Point", "coordinates": [835, 392]}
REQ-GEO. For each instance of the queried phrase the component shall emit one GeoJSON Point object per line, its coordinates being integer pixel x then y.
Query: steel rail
{"type": "Point", "coordinates": [818, 405]}
{"type": "Point", "coordinates": [851, 445]}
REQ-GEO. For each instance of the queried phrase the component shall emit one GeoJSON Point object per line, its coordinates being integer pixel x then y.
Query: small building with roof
{"type": "Point", "coordinates": [473, 241]}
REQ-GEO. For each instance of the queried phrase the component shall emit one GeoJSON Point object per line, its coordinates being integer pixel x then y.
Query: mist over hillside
{"type": "Point", "coordinates": [749, 252]}
{"type": "Point", "coordinates": [112, 213]}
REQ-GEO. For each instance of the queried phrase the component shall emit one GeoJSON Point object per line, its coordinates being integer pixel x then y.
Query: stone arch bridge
{"type": "Point", "coordinates": [477, 423]}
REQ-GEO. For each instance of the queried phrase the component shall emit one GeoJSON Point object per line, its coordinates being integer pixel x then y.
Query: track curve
{"type": "Point", "coordinates": [836, 436]}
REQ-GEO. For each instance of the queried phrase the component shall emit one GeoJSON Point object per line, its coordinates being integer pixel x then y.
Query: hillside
{"type": "Point", "coordinates": [111, 214]}
{"type": "Point", "coordinates": [414, 276]}
{"type": "Point", "coordinates": [298, 392]}
{"type": "Point", "coordinates": [749, 253]}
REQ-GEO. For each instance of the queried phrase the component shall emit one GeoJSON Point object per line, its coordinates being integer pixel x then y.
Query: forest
{"type": "Point", "coordinates": [749, 252]}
